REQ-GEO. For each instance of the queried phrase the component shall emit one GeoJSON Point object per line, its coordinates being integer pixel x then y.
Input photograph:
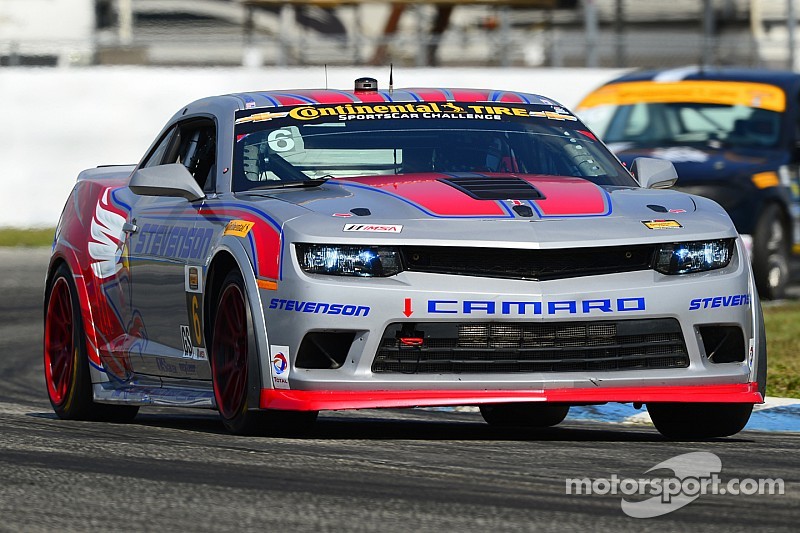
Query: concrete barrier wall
{"type": "Point", "coordinates": [56, 122]}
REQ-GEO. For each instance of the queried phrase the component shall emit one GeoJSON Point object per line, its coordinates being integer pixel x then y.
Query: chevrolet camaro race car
{"type": "Point", "coordinates": [279, 253]}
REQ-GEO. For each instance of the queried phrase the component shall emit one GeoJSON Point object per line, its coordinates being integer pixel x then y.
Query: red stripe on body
{"type": "Point", "coordinates": [369, 96]}
{"type": "Point", "coordinates": [432, 195]}
{"type": "Point", "coordinates": [429, 95]}
{"type": "Point", "coordinates": [267, 239]}
{"type": "Point", "coordinates": [569, 197]}
{"type": "Point", "coordinates": [288, 99]}
{"type": "Point", "coordinates": [467, 95]}
{"type": "Point", "coordinates": [328, 97]}
{"type": "Point", "coordinates": [305, 400]}
{"type": "Point", "coordinates": [511, 98]}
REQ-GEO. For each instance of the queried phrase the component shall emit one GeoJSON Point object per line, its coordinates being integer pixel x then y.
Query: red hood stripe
{"type": "Point", "coordinates": [566, 197]}
{"type": "Point", "coordinates": [433, 196]}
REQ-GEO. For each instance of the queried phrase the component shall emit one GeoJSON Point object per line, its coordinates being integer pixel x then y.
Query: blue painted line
{"type": "Point", "coordinates": [782, 418]}
{"type": "Point", "coordinates": [610, 412]}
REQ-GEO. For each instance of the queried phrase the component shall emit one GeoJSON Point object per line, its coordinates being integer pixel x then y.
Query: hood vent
{"type": "Point", "coordinates": [485, 188]}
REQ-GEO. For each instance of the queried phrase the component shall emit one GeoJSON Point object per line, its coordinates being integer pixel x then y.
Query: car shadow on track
{"type": "Point", "coordinates": [410, 425]}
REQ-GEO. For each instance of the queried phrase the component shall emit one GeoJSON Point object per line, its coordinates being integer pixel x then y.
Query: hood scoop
{"type": "Point", "coordinates": [486, 188]}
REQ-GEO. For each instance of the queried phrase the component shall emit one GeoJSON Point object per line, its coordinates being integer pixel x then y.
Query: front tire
{"type": "Point", "coordinates": [771, 254]}
{"type": "Point", "coordinates": [66, 367]}
{"type": "Point", "coordinates": [232, 354]}
{"type": "Point", "coordinates": [699, 420]}
{"type": "Point", "coordinates": [535, 415]}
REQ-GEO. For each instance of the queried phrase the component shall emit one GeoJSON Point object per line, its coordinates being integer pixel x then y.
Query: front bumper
{"type": "Point", "coordinates": [300, 400]}
{"type": "Point", "coordinates": [304, 304]}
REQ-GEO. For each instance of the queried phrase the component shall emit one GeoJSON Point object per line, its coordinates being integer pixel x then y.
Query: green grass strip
{"type": "Point", "coordinates": [26, 237]}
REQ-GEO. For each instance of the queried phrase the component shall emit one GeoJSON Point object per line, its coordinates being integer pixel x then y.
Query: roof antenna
{"type": "Point", "coordinates": [391, 78]}
{"type": "Point", "coordinates": [326, 76]}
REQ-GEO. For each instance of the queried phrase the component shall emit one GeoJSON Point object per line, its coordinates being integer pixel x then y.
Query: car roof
{"type": "Point", "coordinates": [784, 79]}
{"type": "Point", "coordinates": [258, 99]}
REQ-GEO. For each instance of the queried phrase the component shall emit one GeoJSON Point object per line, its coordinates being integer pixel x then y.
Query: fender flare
{"type": "Point", "coordinates": [67, 255]}
{"type": "Point", "coordinates": [260, 356]}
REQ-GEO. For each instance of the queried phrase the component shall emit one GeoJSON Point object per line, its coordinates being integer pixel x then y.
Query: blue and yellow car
{"type": "Point", "coordinates": [733, 136]}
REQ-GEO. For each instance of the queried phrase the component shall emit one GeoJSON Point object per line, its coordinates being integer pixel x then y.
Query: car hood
{"type": "Point", "coordinates": [540, 211]}
{"type": "Point", "coordinates": [703, 163]}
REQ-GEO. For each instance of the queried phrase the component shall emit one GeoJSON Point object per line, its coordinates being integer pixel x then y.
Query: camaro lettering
{"type": "Point", "coordinates": [518, 308]}
{"type": "Point", "coordinates": [734, 300]}
{"type": "Point", "coordinates": [319, 307]}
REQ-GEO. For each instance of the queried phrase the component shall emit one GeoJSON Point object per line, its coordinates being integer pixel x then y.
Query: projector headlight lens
{"type": "Point", "coordinates": [349, 260]}
{"type": "Point", "coordinates": [699, 256]}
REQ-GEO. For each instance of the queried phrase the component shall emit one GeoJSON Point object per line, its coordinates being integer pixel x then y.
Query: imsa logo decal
{"type": "Point", "coordinates": [374, 228]}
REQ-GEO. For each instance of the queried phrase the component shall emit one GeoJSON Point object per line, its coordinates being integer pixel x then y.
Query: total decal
{"type": "Point", "coordinates": [519, 307]}
{"type": "Point", "coordinates": [279, 366]}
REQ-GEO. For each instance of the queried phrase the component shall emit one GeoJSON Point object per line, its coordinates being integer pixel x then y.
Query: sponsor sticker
{"type": "Point", "coordinates": [552, 115]}
{"type": "Point", "coordinates": [239, 228]}
{"type": "Point", "coordinates": [661, 224]}
{"type": "Point", "coordinates": [279, 366]}
{"type": "Point", "coordinates": [186, 340]}
{"type": "Point", "coordinates": [193, 279]}
{"type": "Point", "coordinates": [260, 117]}
{"type": "Point", "coordinates": [374, 228]}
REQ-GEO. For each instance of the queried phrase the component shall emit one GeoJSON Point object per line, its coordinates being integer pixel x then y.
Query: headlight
{"type": "Point", "coordinates": [686, 257]}
{"type": "Point", "coordinates": [347, 260]}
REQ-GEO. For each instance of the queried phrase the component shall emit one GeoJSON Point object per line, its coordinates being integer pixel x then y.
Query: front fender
{"type": "Point", "coordinates": [234, 248]}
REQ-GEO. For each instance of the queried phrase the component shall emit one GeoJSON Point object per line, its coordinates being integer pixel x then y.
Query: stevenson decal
{"type": "Point", "coordinates": [180, 242]}
{"type": "Point", "coordinates": [318, 307]}
{"type": "Point", "coordinates": [713, 302]}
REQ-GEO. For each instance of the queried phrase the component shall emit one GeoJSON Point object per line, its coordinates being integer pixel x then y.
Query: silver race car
{"type": "Point", "coordinates": [275, 254]}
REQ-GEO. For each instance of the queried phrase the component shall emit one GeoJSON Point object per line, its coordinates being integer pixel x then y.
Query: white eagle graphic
{"type": "Point", "coordinates": [107, 239]}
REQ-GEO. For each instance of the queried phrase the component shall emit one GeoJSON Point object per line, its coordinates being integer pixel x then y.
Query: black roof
{"type": "Point", "coordinates": [784, 79]}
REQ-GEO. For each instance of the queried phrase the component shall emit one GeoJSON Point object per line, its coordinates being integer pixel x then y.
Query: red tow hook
{"type": "Point", "coordinates": [412, 341]}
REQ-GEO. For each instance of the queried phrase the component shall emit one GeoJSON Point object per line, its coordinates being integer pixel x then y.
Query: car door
{"type": "Point", "coordinates": [167, 251]}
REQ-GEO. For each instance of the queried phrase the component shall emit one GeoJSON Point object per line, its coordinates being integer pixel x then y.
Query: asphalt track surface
{"type": "Point", "coordinates": [394, 470]}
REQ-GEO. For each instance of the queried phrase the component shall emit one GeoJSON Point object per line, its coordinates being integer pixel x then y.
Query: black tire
{"type": "Point", "coordinates": [699, 420]}
{"type": "Point", "coordinates": [771, 254]}
{"type": "Point", "coordinates": [66, 367]}
{"type": "Point", "coordinates": [534, 415]}
{"type": "Point", "coordinates": [234, 368]}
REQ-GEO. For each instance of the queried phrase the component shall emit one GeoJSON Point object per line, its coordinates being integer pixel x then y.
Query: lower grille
{"type": "Point", "coordinates": [514, 347]}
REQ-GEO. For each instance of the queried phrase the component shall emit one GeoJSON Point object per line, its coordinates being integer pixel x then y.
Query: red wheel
{"type": "Point", "coordinates": [59, 348]}
{"type": "Point", "coordinates": [66, 369]}
{"type": "Point", "coordinates": [232, 354]}
{"type": "Point", "coordinates": [229, 351]}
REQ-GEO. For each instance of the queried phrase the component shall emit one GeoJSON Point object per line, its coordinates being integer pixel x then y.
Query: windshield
{"type": "Point", "coordinates": [294, 145]}
{"type": "Point", "coordinates": [686, 123]}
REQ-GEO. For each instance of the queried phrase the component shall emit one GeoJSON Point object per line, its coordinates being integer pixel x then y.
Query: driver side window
{"type": "Point", "coordinates": [194, 145]}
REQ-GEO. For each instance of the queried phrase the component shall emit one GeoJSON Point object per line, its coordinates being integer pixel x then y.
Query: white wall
{"type": "Point", "coordinates": [56, 122]}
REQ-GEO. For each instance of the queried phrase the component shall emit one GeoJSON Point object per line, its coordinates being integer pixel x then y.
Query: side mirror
{"type": "Point", "coordinates": [166, 180]}
{"type": "Point", "coordinates": [654, 173]}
